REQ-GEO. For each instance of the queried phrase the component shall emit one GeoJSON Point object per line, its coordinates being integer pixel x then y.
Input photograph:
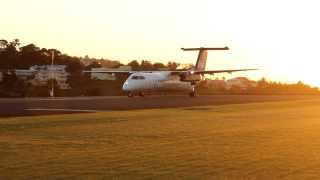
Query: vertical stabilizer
{"type": "Point", "coordinates": [202, 60]}
{"type": "Point", "coordinates": [202, 56]}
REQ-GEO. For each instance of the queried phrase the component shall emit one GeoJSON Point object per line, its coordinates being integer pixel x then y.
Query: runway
{"type": "Point", "coordinates": [64, 105]}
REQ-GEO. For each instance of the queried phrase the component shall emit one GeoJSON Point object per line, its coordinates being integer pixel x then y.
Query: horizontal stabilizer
{"type": "Point", "coordinates": [204, 48]}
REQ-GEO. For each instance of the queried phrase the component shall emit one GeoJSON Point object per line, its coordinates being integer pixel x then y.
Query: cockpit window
{"type": "Point", "coordinates": [138, 77]}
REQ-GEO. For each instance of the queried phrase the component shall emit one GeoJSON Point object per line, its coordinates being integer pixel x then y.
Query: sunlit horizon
{"type": "Point", "coordinates": [278, 37]}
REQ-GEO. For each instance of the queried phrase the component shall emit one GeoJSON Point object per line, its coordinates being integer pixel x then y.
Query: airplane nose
{"type": "Point", "coordinates": [125, 86]}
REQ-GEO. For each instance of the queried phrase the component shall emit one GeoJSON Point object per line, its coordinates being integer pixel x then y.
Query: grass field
{"type": "Point", "coordinates": [274, 140]}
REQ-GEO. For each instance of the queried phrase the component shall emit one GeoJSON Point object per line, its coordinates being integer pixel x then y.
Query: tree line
{"type": "Point", "coordinates": [262, 86]}
{"type": "Point", "coordinates": [14, 56]}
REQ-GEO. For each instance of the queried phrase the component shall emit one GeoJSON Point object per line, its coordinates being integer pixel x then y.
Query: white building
{"type": "Point", "coordinates": [48, 72]}
{"type": "Point", "coordinates": [41, 74]}
{"type": "Point", "coordinates": [108, 76]}
{"type": "Point", "coordinates": [24, 74]}
{"type": "Point", "coordinates": [214, 83]}
{"type": "Point", "coordinates": [241, 82]}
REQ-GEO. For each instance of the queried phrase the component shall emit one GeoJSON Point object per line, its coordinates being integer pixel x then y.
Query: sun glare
{"type": "Point", "coordinates": [279, 37]}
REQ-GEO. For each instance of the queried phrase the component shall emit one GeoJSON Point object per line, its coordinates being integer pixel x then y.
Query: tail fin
{"type": "Point", "coordinates": [202, 60]}
{"type": "Point", "coordinates": [202, 56]}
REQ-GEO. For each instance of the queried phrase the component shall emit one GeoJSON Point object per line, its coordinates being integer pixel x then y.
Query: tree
{"type": "Point", "coordinates": [146, 65]}
{"type": "Point", "coordinates": [11, 85]}
{"type": "Point", "coordinates": [134, 65]}
{"type": "Point", "coordinates": [158, 66]}
{"type": "Point", "coordinates": [15, 43]}
{"type": "Point", "coordinates": [29, 55]}
{"type": "Point", "coordinates": [3, 44]}
{"type": "Point", "coordinates": [9, 54]}
{"type": "Point", "coordinates": [94, 64]}
{"type": "Point", "coordinates": [172, 65]}
{"type": "Point", "coordinates": [74, 65]}
{"type": "Point", "coordinates": [262, 83]}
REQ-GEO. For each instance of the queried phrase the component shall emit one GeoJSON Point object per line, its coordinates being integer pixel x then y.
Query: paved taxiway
{"type": "Point", "coordinates": [61, 105]}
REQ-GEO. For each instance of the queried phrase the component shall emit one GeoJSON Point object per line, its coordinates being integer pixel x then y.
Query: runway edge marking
{"type": "Point", "coordinates": [64, 110]}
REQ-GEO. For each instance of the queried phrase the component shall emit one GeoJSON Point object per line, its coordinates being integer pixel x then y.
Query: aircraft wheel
{"type": "Point", "coordinates": [193, 93]}
{"type": "Point", "coordinates": [130, 94]}
{"type": "Point", "coordinates": [141, 94]}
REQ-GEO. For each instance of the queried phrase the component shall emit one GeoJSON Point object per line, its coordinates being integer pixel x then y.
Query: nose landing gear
{"type": "Point", "coordinates": [131, 94]}
{"type": "Point", "coordinates": [193, 93]}
{"type": "Point", "coordinates": [141, 94]}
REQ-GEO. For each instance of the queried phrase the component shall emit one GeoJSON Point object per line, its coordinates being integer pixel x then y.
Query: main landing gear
{"type": "Point", "coordinates": [193, 93]}
{"type": "Point", "coordinates": [141, 94]}
{"type": "Point", "coordinates": [131, 94]}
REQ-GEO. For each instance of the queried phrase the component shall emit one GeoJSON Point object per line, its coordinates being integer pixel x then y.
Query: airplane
{"type": "Point", "coordinates": [140, 82]}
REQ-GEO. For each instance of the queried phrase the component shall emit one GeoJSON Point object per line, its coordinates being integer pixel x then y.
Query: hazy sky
{"type": "Point", "coordinates": [279, 37]}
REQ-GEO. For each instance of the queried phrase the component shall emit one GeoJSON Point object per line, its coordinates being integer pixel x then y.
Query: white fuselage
{"type": "Point", "coordinates": [155, 81]}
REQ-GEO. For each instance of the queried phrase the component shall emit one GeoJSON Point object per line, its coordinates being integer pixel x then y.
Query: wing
{"type": "Point", "coordinates": [173, 72]}
{"type": "Point", "coordinates": [222, 71]}
{"type": "Point", "coordinates": [131, 72]}
{"type": "Point", "coordinates": [111, 72]}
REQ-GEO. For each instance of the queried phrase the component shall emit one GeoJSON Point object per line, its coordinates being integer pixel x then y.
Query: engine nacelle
{"type": "Point", "coordinates": [189, 77]}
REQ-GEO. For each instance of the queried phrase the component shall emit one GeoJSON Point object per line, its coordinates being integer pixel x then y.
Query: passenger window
{"type": "Point", "coordinates": [138, 77]}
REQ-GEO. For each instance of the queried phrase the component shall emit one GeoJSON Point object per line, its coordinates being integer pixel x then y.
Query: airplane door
{"type": "Point", "coordinates": [155, 84]}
